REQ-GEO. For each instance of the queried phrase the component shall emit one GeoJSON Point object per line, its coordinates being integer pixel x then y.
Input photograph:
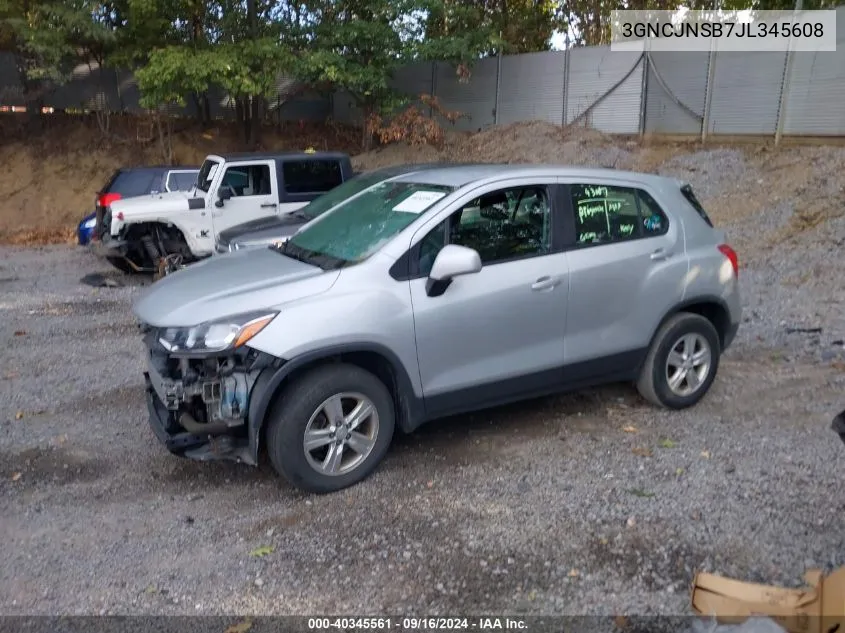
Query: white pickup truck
{"type": "Point", "coordinates": [231, 189]}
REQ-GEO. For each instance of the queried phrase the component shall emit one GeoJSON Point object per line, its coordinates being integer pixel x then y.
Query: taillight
{"type": "Point", "coordinates": [106, 199]}
{"type": "Point", "coordinates": [730, 253]}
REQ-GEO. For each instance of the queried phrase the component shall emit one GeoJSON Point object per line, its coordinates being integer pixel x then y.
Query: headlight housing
{"type": "Point", "coordinates": [216, 336]}
{"type": "Point", "coordinates": [89, 224]}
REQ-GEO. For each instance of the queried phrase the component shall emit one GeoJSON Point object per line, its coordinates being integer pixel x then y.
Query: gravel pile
{"type": "Point", "coordinates": [587, 504]}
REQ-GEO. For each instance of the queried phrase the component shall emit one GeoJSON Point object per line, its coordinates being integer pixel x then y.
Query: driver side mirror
{"type": "Point", "coordinates": [224, 194]}
{"type": "Point", "coordinates": [452, 261]}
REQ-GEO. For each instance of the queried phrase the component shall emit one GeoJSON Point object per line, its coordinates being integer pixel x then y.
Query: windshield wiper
{"type": "Point", "coordinates": [312, 258]}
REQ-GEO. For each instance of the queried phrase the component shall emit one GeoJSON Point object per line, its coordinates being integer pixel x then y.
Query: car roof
{"type": "Point", "coordinates": [460, 175]}
{"type": "Point", "coordinates": [161, 168]}
{"type": "Point", "coordinates": [236, 156]}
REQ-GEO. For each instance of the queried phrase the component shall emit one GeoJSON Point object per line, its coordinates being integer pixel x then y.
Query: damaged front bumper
{"type": "Point", "coordinates": [198, 405]}
{"type": "Point", "coordinates": [108, 246]}
{"type": "Point", "coordinates": [112, 248]}
{"type": "Point", "coordinates": [839, 425]}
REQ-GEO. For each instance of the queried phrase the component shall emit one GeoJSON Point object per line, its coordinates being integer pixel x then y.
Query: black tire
{"type": "Point", "coordinates": [121, 264]}
{"type": "Point", "coordinates": [294, 408]}
{"type": "Point", "coordinates": [653, 383]}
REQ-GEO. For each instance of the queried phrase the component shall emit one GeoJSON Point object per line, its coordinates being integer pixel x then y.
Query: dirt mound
{"type": "Point", "coordinates": [534, 142]}
{"type": "Point", "coordinates": [48, 182]}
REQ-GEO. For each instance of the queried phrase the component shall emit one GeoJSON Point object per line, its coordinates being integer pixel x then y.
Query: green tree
{"type": "Point", "coordinates": [521, 26]}
{"type": "Point", "coordinates": [356, 46]}
{"type": "Point", "coordinates": [48, 38]}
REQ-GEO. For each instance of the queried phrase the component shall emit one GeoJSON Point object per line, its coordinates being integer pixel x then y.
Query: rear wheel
{"type": "Point", "coordinates": [682, 362]}
{"type": "Point", "coordinates": [330, 428]}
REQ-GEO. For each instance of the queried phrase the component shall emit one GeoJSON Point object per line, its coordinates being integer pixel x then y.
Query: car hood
{"type": "Point", "coordinates": [235, 283]}
{"type": "Point", "coordinates": [169, 201]}
{"type": "Point", "coordinates": [263, 228]}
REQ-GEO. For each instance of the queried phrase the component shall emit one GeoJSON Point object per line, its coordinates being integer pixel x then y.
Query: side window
{"type": "Point", "coordinates": [311, 176]}
{"type": "Point", "coordinates": [500, 225]}
{"type": "Point", "coordinates": [605, 214]}
{"type": "Point", "coordinates": [248, 180]}
{"type": "Point", "coordinates": [654, 221]}
{"type": "Point", "coordinates": [429, 246]}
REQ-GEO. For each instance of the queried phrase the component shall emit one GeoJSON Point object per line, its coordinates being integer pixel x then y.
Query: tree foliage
{"type": "Point", "coordinates": [185, 50]}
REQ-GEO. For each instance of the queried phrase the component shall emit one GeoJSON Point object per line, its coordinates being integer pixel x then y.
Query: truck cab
{"type": "Point", "coordinates": [231, 189]}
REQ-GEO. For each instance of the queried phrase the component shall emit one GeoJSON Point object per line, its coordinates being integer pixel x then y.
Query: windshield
{"type": "Point", "coordinates": [354, 185]}
{"type": "Point", "coordinates": [181, 180]}
{"type": "Point", "coordinates": [206, 175]}
{"type": "Point", "coordinates": [357, 228]}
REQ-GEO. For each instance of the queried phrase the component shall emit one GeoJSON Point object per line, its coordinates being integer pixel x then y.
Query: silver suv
{"type": "Point", "coordinates": [430, 294]}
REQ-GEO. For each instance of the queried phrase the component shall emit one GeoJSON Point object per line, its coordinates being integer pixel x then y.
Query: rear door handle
{"type": "Point", "coordinates": [268, 205]}
{"type": "Point", "coordinates": [661, 254]}
{"type": "Point", "coordinates": [545, 283]}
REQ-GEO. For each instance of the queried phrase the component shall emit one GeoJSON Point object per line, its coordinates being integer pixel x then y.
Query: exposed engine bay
{"type": "Point", "coordinates": [203, 401]}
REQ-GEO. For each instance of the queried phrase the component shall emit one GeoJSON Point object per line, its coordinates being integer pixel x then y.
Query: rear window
{"type": "Point", "coordinates": [690, 196]}
{"type": "Point", "coordinates": [132, 183]}
{"type": "Point", "coordinates": [311, 176]}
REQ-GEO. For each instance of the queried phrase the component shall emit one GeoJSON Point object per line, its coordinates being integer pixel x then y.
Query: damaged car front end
{"type": "Point", "coordinates": [198, 385]}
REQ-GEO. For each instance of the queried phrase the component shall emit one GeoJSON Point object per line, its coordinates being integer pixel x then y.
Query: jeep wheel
{"type": "Point", "coordinates": [682, 362]}
{"type": "Point", "coordinates": [330, 428]}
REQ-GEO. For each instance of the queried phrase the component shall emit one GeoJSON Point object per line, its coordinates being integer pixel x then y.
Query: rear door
{"type": "Point", "coordinates": [304, 179]}
{"type": "Point", "coordinates": [627, 267]}
{"type": "Point", "coordinates": [255, 193]}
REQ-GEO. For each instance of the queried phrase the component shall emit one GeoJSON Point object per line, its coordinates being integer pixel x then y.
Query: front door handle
{"type": "Point", "coordinates": [660, 254]}
{"type": "Point", "coordinates": [545, 283]}
{"type": "Point", "coordinates": [268, 205]}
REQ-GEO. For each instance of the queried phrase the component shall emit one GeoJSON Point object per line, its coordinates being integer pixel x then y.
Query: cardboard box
{"type": "Point", "coordinates": [818, 608]}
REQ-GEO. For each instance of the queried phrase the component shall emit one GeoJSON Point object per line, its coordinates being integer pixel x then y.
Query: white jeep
{"type": "Point", "coordinates": [231, 189]}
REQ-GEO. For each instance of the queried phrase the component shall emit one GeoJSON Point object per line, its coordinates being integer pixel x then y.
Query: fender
{"type": "Point", "coordinates": [188, 215]}
{"type": "Point", "coordinates": [410, 407]}
{"type": "Point", "coordinates": [190, 232]}
{"type": "Point", "coordinates": [730, 328]}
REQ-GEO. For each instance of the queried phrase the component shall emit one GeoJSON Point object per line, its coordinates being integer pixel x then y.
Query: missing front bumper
{"type": "Point", "coordinates": [191, 446]}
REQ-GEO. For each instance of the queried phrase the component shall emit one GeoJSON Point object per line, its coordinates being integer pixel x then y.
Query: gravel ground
{"type": "Point", "coordinates": [591, 503]}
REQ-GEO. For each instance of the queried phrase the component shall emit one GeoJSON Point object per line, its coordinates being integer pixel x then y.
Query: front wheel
{"type": "Point", "coordinates": [330, 428]}
{"type": "Point", "coordinates": [682, 362]}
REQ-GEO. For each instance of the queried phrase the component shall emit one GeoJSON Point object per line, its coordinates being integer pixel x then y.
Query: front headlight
{"type": "Point", "coordinates": [216, 336]}
{"type": "Point", "coordinates": [90, 224]}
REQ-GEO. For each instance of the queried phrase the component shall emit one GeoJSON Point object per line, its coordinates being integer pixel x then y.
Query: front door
{"type": "Point", "coordinates": [496, 334]}
{"type": "Point", "coordinates": [254, 194]}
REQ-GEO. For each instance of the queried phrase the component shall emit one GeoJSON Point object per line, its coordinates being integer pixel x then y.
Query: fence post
{"type": "Point", "coordinates": [708, 92]}
{"type": "Point", "coordinates": [566, 54]}
{"type": "Point", "coordinates": [433, 88]}
{"type": "Point", "coordinates": [498, 84]}
{"type": "Point", "coordinates": [784, 92]}
{"type": "Point", "coordinates": [644, 89]}
{"type": "Point", "coordinates": [784, 84]}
